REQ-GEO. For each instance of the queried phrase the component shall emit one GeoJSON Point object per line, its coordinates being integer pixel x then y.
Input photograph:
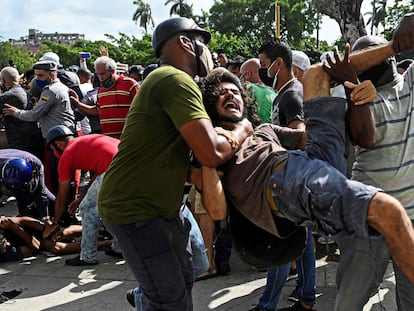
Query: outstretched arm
{"type": "Point", "coordinates": [402, 41]}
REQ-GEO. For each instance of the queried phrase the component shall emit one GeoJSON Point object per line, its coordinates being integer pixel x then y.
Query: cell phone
{"type": "Point", "coordinates": [84, 55]}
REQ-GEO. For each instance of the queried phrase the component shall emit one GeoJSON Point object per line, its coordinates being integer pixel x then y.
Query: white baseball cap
{"type": "Point", "coordinates": [300, 60]}
{"type": "Point", "coordinates": [50, 56]}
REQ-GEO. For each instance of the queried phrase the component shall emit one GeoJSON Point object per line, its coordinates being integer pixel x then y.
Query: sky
{"type": "Point", "coordinates": [94, 18]}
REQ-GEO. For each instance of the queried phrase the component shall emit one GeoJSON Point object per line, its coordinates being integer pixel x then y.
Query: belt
{"type": "Point", "coordinates": [269, 192]}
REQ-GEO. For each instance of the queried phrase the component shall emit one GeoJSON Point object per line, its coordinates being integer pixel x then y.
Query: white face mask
{"type": "Point", "coordinates": [205, 57]}
{"type": "Point", "coordinates": [275, 76]}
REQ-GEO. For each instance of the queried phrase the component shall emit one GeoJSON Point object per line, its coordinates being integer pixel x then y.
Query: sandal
{"type": "Point", "coordinates": [209, 274]}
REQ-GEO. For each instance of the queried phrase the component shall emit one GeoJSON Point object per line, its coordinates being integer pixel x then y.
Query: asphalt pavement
{"type": "Point", "coordinates": [46, 283]}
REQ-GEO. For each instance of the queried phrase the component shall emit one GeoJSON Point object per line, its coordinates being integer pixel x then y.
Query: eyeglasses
{"type": "Point", "coordinates": [224, 90]}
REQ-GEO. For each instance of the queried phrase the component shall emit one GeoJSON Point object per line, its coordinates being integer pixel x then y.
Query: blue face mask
{"type": "Point", "coordinates": [42, 83]}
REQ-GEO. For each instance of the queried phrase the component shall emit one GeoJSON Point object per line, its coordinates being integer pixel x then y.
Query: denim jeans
{"type": "Point", "coordinates": [276, 279]}
{"type": "Point", "coordinates": [90, 223]}
{"type": "Point", "coordinates": [361, 269]}
{"type": "Point", "coordinates": [156, 252]}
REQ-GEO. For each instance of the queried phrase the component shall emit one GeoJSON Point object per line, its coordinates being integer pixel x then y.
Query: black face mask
{"type": "Point", "coordinates": [265, 79]}
{"type": "Point", "coordinates": [379, 74]}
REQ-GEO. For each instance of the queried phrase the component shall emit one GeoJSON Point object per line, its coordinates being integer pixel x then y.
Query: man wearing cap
{"type": "Point", "coordinates": [68, 78]}
{"type": "Point", "coordinates": [141, 194]}
{"type": "Point", "coordinates": [92, 153]}
{"type": "Point", "coordinates": [300, 62]}
{"type": "Point", "coordinates": [136, 72]}
{"type": "Point", "coordinates": [260, 93]}
{"type": "Point", "coordinates": [53, 107]}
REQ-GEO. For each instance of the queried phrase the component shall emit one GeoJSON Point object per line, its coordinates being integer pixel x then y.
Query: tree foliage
{"type": "Point", "coordinates": [143, 14]}
{"type": "Point", "coordinates": [253, 22]}
{"type": "Point", "coordinates": [180, 8]}
{"type": "Point", "coordinates": [21, 59]}
{"type": "Point", "coordinates": [395, 13]}
{"type": "Point", "coordinates": [347, 13]}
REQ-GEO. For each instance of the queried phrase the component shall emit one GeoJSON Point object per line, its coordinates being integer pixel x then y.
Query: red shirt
{"type": "Point", "coordinates": [114, 105]}
{"type": "Point", "coordinates": [91, 153]}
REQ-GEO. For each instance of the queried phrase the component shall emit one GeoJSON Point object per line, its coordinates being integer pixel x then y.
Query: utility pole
{"type": "Point", "coordinates": [277, 20]}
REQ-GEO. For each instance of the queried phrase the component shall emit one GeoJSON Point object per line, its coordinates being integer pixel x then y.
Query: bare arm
{"type": "Point", "coordinates": [86, 109]}
{"type": "Point", "coordinates": [209, 148]}
{"type": "Point", "coordinates": [402, 41]}
{"type": "Point", "coordinates": [29, 240]}
{"type": "Point", "coordinates": [213, 197]}
{"type": "Point", "coordinates": [360, 120]}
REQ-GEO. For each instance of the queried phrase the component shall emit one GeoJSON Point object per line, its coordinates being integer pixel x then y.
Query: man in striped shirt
{"type": "Point", "coordinates": [389, 165]}
{"type": "Point", "coordinates": [115, 95]}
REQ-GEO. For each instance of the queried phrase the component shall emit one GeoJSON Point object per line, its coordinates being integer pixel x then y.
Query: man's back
{"type": "Point", "coordinates": [92, 153]}
{"type": "Point", "coordinates": [152, 151]}
{"type": "Point", "coordinates": [20, 134]}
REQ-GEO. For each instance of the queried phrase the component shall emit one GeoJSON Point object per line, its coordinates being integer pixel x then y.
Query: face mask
{"type": "Point", "coordinates": [379, 74]}
{"type": "Point", "coordinates": [42, 83]}
{"type": "Point", "coordinates": [270, 76]}
{"type": "Point", "coordinates": [265, 79]}
{"type": "Point", "coordinates": [205, 57]}
{"type": "Point", "coordinates": [107, 83]}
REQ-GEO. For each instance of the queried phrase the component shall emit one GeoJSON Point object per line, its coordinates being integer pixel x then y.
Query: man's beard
{"type": "Point", "coordinates": [230, 119]}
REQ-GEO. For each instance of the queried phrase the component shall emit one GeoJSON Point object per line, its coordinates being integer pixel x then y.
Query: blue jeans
{"type": "Point", "coordinates": [361, 269]}
{"type": "Point", "coordinates": [311, 189]}
{"type": "Point", "coordinates": [196, 245]}
{"type": "Point", "coordinates": [276, 279]}
{"type": "Point", "coordinates": [157, 254]}
{"type": "Point", "coordinates": [90, 223]}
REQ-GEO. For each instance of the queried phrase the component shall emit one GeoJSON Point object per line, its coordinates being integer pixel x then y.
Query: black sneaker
{"type": "Point", "coordinates": [256, 308]}
{"type": "Point", "coordinates": [293, 274]}
{"type": "Point", "coordinates": [110, 252]}
{"type": "Point", "coordinates": [294, 295]}
{"type": "Point", "coordinates": [79, 262]}
{"type": "Point", "coordinates": [223, 269]}
{"type": "Point", "coordinates": [130, 296]}
{"type": "Point", "coordinates": [296, 307]}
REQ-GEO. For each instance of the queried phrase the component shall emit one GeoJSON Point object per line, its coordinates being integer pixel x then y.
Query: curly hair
{"type": "Point", "coordinates": [211, 92]}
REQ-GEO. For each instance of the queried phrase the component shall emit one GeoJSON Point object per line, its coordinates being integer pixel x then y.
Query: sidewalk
{"type": "Point", "coordinates": [48, 284]}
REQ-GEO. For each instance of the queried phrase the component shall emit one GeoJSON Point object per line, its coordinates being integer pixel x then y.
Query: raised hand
{"type": "Point", "coordinates": [340, 70]}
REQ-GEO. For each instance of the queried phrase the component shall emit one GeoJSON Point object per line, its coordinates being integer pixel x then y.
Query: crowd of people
{"type": "Point", "coordinates": [253, 155]}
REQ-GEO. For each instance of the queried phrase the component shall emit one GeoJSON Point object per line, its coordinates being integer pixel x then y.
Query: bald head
{"type": "Point", "coordinates": [249, 70]}
{"type": "Point", "coordinates": [9, 77]}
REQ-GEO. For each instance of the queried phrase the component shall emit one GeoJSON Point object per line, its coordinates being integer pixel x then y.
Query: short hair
{"type": "Point", "coordinates": [275, 49]}
{"type": "Point", "coordinates": [109, 63]}
{"type": "Point", "coordinates": [85, 73]}
{"type": "Point", "coordinates": [10, 74]}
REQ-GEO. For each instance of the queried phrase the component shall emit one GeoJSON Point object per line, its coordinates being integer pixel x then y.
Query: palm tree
{"type": "Point", "coordinates": [180, 8]}
{"type": "Point", "coordinates": [377, 16]}
{"type": "Point", "coordinates": [143, 14]}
